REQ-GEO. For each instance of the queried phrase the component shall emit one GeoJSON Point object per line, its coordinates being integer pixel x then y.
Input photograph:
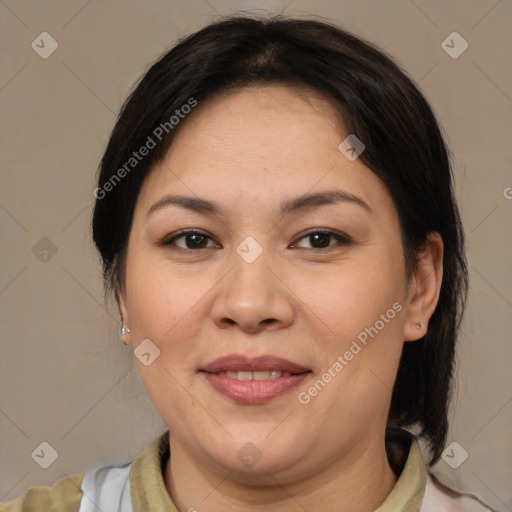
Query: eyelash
{"type": "Point", "coordinates": [341, 239]}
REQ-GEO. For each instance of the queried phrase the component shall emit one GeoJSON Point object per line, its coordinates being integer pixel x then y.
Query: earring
{"type": "Point", "coordinates": [419, 326]}
{"type": "Point", "coordinates": [123, 332]}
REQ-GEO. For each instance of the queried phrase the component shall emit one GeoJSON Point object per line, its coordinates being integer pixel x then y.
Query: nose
{"type": "Point", "coordinates": [253, 297]}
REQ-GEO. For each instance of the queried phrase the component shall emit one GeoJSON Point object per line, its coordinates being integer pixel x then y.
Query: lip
{"type": "Point", "coordinates": [241, 363]}
{"type": "Point", "coordinates": [253, 391]}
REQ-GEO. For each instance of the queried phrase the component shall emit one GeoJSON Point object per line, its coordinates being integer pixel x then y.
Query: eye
{"type": "Point", "coordinates": [321, 239]}
{"type": "Point", "coordinates": [192, 240]}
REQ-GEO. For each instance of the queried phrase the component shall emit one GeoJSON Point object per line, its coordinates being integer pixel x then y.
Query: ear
{"type": "Point", "coordinates": [424, 288]}
{"type": "Point", "coordinates": [123, 310]}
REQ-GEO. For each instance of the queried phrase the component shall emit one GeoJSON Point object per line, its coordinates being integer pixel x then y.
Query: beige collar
{"type": "Point", "coordinates": [148, 491]}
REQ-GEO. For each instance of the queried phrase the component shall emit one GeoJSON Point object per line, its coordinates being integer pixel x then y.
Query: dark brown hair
{"type": "Point", "coordinates": [377, 102]}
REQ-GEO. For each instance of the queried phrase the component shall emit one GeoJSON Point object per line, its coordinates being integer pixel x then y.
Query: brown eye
{"type": "Point", "coordinates": [322, 239]}
{"type": "Point", "coordinates": [192, 240]}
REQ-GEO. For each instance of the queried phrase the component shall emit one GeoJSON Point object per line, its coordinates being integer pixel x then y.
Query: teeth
{"type": "Point", "coordinates": [265, 375]}
{"type": "Point", "coordinates": [262, 375]}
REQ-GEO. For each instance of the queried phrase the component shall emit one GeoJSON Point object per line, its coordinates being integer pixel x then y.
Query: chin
{"type": "Point", "coordinates": [253, 456]}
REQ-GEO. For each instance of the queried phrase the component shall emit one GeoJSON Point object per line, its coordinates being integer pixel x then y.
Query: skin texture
{"type": "Point", "coordinates": [248, 151]}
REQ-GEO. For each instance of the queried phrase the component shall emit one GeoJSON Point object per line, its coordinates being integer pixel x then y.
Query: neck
{"type": "Point", "coordinates": [360, 481]}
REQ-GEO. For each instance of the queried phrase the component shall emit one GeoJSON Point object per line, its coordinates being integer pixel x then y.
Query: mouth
{"type": "Point", "coordinates": [257, 375]}
{"type": "Point", "coordinates": [244, 365]}
{"type": "Point", "coordinates": [253, 380]}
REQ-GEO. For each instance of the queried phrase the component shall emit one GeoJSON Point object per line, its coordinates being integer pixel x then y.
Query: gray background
{"type": "Point", "coordinates": [64, 377]}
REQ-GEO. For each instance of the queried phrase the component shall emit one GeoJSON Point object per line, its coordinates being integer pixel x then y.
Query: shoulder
{"type": "Point", "coordinates": [105, 488]}
{"type": "Point", "coordinates": [64, 495]}
{"type": "Point", "coordinates": [440, 498]}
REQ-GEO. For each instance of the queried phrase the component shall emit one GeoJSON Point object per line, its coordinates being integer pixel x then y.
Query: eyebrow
{"type": "Point", "coordinates": [298, 204]}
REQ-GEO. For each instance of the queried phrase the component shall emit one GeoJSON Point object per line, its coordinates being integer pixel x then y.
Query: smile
{"type": "Point", "coordinates": [261, 375]}
{"type": "Point", "coordinates": [253, 380]}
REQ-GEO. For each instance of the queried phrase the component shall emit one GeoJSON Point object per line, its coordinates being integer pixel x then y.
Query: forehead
{"type": "Point", "coordinates": [259, 143]}
{"type": "Point", "coordinates": [260, 118]}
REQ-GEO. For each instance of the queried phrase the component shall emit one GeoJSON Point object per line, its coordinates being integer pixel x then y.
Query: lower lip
{"type": "Point", "coordinates": [253, 391]}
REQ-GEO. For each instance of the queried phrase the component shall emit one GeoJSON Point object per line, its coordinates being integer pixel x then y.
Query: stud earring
{"type": "Point", "coordinates": [419, 326]}
{"type": "Point", "coordinates": [123, 332]}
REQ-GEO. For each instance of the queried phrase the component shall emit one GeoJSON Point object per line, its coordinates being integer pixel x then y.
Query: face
{"type": "Point", "coordinates": [252, 280]}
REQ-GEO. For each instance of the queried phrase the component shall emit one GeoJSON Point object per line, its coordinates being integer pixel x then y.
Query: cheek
{"type": "Point", "coordinates": [359, 315]}
{"type": "Point", "coordinates": [349, 297]}
{"type": "Point", "coordinates": [166, 309]}
{"type": "Point", "coordinates": [160, 299]}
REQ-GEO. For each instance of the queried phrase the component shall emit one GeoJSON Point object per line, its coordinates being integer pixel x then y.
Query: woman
{"type": "Point", "coordinates": [276, 219]}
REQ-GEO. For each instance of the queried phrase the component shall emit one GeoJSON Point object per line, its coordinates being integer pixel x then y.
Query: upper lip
{"type": "Point", "coordinates": [240, 363]}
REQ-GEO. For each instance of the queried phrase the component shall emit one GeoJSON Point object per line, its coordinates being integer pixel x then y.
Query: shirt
{"type": "Point", "coordinates": [139, 486]}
